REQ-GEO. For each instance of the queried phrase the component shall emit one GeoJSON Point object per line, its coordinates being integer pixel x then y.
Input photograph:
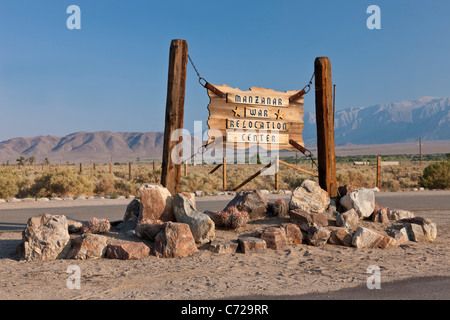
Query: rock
{"type": "Point", "coordinates": [362, 200]}
{"type": "Point", "coordinates": [223, 247]}
{"type": "Point", "coordinates": [252, 202]}
{"type": "Point", "coordinates": [74, 226]}
{"type": "Point", "coordinates": [175, 241]}
{"type": "Point", "coordinates": [420, 229]}
{"type": "Point", "coordinates": [309, 197]}
{"type": "Point", "coordinates": [317, 236]}
{"type": "Point", "coordinates": [191, 197]}
{"type": "Point", "coordinates": [45, 237]}
{"type": "Point", "coordinates": [367, 238]}
{"type": "Point", "coordinates": [305, 219]}
{"type": "Point", "coordinates": [198, 193]}
{"type": "Point", "coordinates": [340, 236]}
{"type": "Point", "coordinates": [293, 233]}
{"type": "Point", "coordinates": [95, 225]}
{"type": "Point", "coordinates": [127, 250]}
{"type": "Point", "coordinates": [348, 219]}
{"type": "Point", "coordinates": [156, 203]}
{"type": "Point", "coordinates": [252, 244]}
{"type": "Point", "coordinates": [399, 233]}
{"type": "Point", "coordinates": [202, 227]}
{"type": "Point", "coordinates": [397, 214]}
{"type": "Point", "coordinates": [149, 229]}
{"type": "Point", "coordinates": [275, 238]}
{"type": "Point", "coordinates": [380, 214]}
{"type": "Point", "coordinates": [88, 246]}
{"type": "Point", "coordinates": [132, 211]}
{"type": "Point", "coordinates": [344, 190]}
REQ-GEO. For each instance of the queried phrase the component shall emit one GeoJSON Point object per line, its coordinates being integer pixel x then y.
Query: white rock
{"type": "Point", "coordinates": [309, 197]}
{"type": "Point", "coordinates": [362, 200]}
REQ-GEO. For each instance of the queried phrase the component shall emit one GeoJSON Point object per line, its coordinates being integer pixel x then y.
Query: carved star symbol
{"type": "Point", "coordinates": [279, 114]}
{"type": "Point", "coordinates": [236, 112]}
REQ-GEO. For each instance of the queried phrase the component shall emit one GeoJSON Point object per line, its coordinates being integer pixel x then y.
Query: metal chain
{"type": "Point", "coordinates": [309, 84]}
{"type": "Point", "coordinates": [200, 78]}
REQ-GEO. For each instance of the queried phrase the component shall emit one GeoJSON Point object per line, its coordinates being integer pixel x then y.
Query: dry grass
{"type": "Point", "coordinates": [68, 181]}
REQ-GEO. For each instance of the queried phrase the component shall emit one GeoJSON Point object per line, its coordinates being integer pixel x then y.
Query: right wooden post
{"type": "Point", "coordinates": [325, 126]}
{"type": "Point", "coordinates": [379, 172]}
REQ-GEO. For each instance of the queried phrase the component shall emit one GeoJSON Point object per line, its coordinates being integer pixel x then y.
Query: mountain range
{"type": "Point", "coordinates": [405, 121]}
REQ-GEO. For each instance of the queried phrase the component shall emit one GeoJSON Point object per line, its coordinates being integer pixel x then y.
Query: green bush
{"type": "Point", "coordinates": [64, 183]}
{"type": "Point", "coordinates": [9, 184]}
{"type": "Point", "coordinates": [436, 176]}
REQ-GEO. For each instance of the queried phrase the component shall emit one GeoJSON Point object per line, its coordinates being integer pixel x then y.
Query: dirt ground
{"type": "Point", "coordinates": [298, 269]}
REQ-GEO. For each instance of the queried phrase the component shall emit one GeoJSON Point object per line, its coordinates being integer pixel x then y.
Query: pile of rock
{"type": "Point", "coordinates": [170, 226]}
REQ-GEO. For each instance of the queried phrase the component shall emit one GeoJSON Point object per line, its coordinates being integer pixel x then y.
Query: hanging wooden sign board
{"type": "Point", "coordinates": [262, 117]}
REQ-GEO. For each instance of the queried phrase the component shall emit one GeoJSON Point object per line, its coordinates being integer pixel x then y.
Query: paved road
{"type": "Point", "coordinates": [14, 219]}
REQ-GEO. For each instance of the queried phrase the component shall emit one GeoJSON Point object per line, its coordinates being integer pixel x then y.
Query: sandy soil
{"type": "Point", "coordinates": [296, 270]}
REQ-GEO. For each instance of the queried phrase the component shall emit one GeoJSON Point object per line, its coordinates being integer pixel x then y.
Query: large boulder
{"type": "Point", "coordinates": [88, 246]}
{"type": "Point", "coordinates": [202, 227]}
{"type": "Point", "coordinates": [45, 237]}
{"type": "Point", "coordinates": [362, 200]}
{"type": "Point", "coordinates": [175, 241]}
{"type": "Point", "coordinates": [127, 250]}
{"type": "Point", "coordinates": [305, 219]}
{"type": "Point", "coordinates": [367, 238]}
{"type": "Point", "coordinates": [317, 236]}
{"type": "Point", "coordinates": [420, 229]}
{"type": "Point", "coordinates": [252, 202]}
{"type": "Point", "coordinates": [156, 203]}
{"type": "Point", "coordinates": [348, 219]}
{"type": "Point", "coordinates": [309, 196]}
{"type": "Point", "coordinates": [275, 238]}
{"type": "Point", "coordinates": [340, 236]}
{"type": "Point", "coordinates": [398, 214]}
{"type": "Point", "coordinates": [252, 244]}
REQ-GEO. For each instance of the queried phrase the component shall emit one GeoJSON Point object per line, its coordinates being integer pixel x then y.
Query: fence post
{"type": "Point", "coordinates": [224, 176]}
{"type": "Point", "coordinates": [325, 126]}
{"type": "Point", "coordinates": [379, 172]}
{"type": "Point", "coordinates": [176, 84]}
{"type": "Point", "coordinates": [277, 174]}
{"type": "Point", "coordinates": [129, 171]}
{"type": "Point", "coordinates": [110, 167]}
{"type": "Point", "coordinates": [81, 168]}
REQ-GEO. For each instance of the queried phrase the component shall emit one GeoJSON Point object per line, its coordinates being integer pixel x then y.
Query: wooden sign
{"type": "Point", "coordinates": [262, 117]}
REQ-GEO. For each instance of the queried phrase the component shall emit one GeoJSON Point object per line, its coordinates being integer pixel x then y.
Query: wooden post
{"type": "Point", "coordinates": [185, 169]}
{"type": "Point", "coordinates": [277, 174]}
{"type": "Point", "coordinates": [176, 84]}
{"type": "Point", "coordinates": [81, 168]}
{"type": "Point", "coordinates": [110, 167]}
{"type": "Point", "coordinates": [129, 171]}
{"type": "Point", "coordinates": [224, 176]}
{"type": "Point", "coordinates": [379, 172]}
{"type": "Point", "coordinates": [42, 165]}
{"type": "Point", "coordinates": [94, 167]}
{"type": "Point", "coordinates": [154, 165]}
{"type": "Point", "coordinates": [325, 126]}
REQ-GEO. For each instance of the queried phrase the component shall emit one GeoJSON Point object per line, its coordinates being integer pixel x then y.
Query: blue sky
{"type": "Point", "coordinates": [112, 74]}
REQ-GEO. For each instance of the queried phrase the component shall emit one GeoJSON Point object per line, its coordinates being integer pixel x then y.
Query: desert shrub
{"type": "Point", "coordinates": [96, 226]}
{"type": "Point", "coordinates": [9, 183]}
{"type": "Point", "coordinates": [63, 183]}
{"type": "Point", "coordinates": [231, 218]}
{"type": "Point", "coordinates": [104, 185]}
{"type": "Point", "coordinates": [436, 176]}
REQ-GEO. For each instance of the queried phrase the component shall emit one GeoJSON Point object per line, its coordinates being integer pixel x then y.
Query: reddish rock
{"type": "Point", "coordinates": [252, 202]}
{"type": "Point", "coordinates": [156, 203]}
{"type": "Point", "coordinates": [367, 238]}
{"type": "Point", "coordinates": [380, 214]}
{"type": "Point", "coordinates": [127, 250]}
{"type": "Point", "coordinates": [305, 219]}
{"type": "Point", "coordinates": [223, 247]}
{"type": "Point", "coordinates": [275, 238]}
{"type": "Point", "coordinates": [340, 236]}
{"type": "Point", "coordinates": [348, 219]}
{"type": "Point", "coordinates": [317, 236]}
{"type": "Point", "coordinates": [174, 241]}
{"type": "Point", "coordinates": [252, 244]}
{"type": "Point", "coordinates": [293, 233]}
{"type": "Point", "coordinates": [88, 246]}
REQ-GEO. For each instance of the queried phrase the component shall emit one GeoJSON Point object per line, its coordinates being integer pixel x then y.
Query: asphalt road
{"type": "Point", "coordinates": [15, 219]}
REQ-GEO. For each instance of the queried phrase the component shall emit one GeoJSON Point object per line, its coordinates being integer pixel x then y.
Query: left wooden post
{"type": "Point", "coordinates": [176, 84]}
